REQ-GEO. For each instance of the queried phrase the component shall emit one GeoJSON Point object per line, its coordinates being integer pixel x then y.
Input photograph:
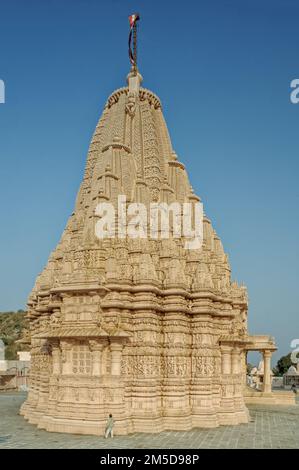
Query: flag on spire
{"type": "Point", "coordinates": [133, 27]}
{"type": "Point", "coordinates": [133, 19]}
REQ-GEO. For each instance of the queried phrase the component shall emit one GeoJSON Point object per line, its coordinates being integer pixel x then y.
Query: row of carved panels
{"type": "Point", "coordinates": [112, 395]}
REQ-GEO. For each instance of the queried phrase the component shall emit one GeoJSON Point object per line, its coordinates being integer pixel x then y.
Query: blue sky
{"type": "Point", "coordinates": [222, 70]}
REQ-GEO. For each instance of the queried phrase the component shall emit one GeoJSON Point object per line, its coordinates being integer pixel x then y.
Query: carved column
{"type": "Point", "coordinates": [116, 349]}
{"type": "Point", "coordinates": [226, 359]}
{"type": "Point", "coordinates": [66, 348]}
{"type": "Point", "coordinates": [236, 361]}
{"type": "Point", "coordinates": [267, 371]}
{"type": "Point", "coordinates": [96, 349]}
{"type": "Point", "coordinates": [56, 358]}
{"type": "Point", "coordinates": [245, 354]}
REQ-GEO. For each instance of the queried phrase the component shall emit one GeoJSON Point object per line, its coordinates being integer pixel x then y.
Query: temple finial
{"type": "Point", "coordinates": [133, 33]}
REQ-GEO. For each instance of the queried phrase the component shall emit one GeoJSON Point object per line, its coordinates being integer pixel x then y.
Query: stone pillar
{"type": "Point", "coordinates": [226, 359]}
{"type": "Point", "coordinates": [116, 349]}
{"type": "Point", "coordinates": [56, 358]}
{"type": "Point", "coordinates": [267, 372]}
{"type": "Point", "coordinates": [66, 358]}
{"type": "Point", "coordinates": [96, 349]}
{"type": "Point", "coordinates": [236, 358]}
{"type": "Point", "coordinates": [244, 355]}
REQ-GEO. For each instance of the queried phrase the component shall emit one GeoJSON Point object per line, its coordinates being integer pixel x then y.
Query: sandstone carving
{"type": "Point", "coordinates": [142, 329]}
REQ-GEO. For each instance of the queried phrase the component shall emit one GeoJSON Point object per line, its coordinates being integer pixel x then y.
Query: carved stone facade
{"type": "Point", "coordinates": [141, 328]}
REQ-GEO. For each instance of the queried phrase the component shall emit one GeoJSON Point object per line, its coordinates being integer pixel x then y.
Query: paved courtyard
{"type": "Point", "coordinates": [270, 428]}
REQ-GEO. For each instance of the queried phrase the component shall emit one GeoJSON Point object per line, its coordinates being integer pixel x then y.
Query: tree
{"type": "Point", "coordinates": [282, 365]}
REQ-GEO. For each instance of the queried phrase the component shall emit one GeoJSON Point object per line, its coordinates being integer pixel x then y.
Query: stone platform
{"type": "Point", "coordinates": [270, 427]}
{"type": "Point", "coordinates": [277, 397]}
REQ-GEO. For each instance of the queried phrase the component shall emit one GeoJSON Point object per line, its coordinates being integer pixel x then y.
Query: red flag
{"type": "Point", "coordinates": [133, 19]}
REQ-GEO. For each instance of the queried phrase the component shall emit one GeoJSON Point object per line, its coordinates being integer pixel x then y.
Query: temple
{"type": "Point", "coordinates": [145, 329]}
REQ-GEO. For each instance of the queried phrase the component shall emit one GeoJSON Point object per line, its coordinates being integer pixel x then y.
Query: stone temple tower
{"type": "Point", "coordinates": [145, 329]}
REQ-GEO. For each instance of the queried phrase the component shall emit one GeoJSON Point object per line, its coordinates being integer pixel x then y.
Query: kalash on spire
{"type": "Point", "coordinates": [139, 327]}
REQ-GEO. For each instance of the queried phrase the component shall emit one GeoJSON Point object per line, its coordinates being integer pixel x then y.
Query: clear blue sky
{"type": "Point", "coordinates": [222, 70]}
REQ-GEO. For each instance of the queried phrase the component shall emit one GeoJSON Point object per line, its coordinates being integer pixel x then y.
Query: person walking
{"type": "Point", "coordinates": [109, 427]}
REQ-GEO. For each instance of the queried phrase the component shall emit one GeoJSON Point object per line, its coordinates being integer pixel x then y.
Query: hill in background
{"type": "Point", "coordinates": [12, 326]}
